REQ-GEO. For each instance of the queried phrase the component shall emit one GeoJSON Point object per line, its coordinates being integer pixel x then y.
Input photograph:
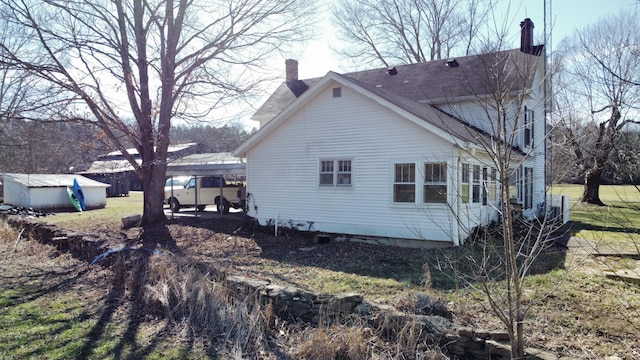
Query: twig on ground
{"type": "Point", "coordinates": [15, 246]}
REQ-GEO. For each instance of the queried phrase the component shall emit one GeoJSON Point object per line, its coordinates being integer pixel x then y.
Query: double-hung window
{"type": "Point", "coordinates": [485, 185]}
{"type": "Point", "coordinates": [464, 193]}
{"type": "Point", "coordinates": [528, 188]}
{"type": "Point", "coordinates": [522, 179]}
{"type": "Point", "coordinates": [493, 187]}
{"type": "Point", "coordinates": [404, 183]}
{"type": "Point", "coordinates": [335, 173]}
{"type": "Point", "coordinates": [476, 183]}
{"type": "Point", "coordinates": [528, 127]}
{"type": "Point", "coordinates": [435, 183]}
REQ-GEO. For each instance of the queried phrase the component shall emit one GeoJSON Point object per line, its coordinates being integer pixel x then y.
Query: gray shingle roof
{"type": "Point", "coordinates": [433, 82]}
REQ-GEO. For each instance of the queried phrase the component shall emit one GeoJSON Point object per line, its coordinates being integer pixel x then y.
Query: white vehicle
{"type": "Point", "coordinates": [210, 190]}
{"type": "Point", "coordinates": [174, 183]}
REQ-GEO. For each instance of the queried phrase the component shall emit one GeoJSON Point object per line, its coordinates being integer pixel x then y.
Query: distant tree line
{"type": "Point", "coordinates": [622, 165]}
{"type": "Point", "coordinates": [216, 139]}
{"type": "Point", "coordinates": [61, 147]}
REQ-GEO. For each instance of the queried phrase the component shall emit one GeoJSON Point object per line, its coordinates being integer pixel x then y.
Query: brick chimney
{"type": "Point", "coordinates": [291, 67]}
{"type": "Point", "coordinates": [526, 36]}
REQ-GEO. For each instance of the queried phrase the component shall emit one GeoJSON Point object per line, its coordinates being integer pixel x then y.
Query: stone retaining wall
{"type": "Point", "coordinates": [80, 246]}
{"type": "Point", "coordinates": [295, 304]}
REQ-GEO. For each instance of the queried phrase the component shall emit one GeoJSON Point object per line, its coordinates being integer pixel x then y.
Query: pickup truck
{"type": "Point", "coordinates": [233, 195]}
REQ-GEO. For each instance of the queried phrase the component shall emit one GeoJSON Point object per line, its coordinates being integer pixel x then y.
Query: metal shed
{"type": "Point", "coordinates": [117, 173]}
{"type": "Point", "coordinates": [49, 191]}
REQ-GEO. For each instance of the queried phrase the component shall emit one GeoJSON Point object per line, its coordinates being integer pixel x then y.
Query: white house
{"type": "Point", "coordinates": [49, 191]}
{"type": "Point", "coordinates": [404, 153]}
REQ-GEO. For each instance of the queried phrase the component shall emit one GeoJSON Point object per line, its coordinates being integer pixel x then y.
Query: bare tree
{"type": "Point", "coordinates": [595, 91]}
{"type": "Point", "coordinates": [408, 31]}
{"type": "Point", "coordinates": [148, 60]}
{"type": "Point", "coordinates": [505, 106]}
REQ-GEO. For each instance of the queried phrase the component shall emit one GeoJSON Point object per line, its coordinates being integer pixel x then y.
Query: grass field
{"type": "Point", "coordinates": [616, 224]}
{"type": "Point", "coordinates": [110, 215]}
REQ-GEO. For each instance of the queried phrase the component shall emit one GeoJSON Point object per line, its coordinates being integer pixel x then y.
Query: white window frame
{"type": "Point", "coordinates": [338, 172]}
{"type": "Point", "coordinates": [435, 175]}
{"type": "Point", "coordinates": [465, 181]}
{"type": "Point", "coordinates": [476, 191]}
{"type": "Point", "coordinates": [528, 128]}
{"type": "Point", "coordinates": [493, 185]}
{"type": "Point", "coordinates": [407, 177]}
{"type": "Point", "coordinates": [527, 185]}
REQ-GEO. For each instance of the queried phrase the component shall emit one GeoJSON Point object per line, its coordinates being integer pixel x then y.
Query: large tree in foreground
{"type": "Point", "coordinates": [596, 98]}
{"type": "Point", "coordinates": [133, 66]}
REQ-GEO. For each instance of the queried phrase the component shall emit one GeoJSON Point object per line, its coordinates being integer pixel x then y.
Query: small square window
{"type": "Point", "coordinates": [337, 92]}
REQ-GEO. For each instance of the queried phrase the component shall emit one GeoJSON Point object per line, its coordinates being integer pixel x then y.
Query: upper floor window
{"type": "Point", "coordinates": [335, 173]}
{"type": "Point", "coordinates": [528, 127]}
{"type": "Point", "coordinates": [404, 183]}
{"type": "Point", "coordinates": [435, 183]}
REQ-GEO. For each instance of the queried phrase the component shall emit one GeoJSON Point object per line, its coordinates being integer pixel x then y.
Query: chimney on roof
{"type": "Point", "coordinates": [526, 36]}
{"type": "Point", "coordinates": [291, 67]}
{"type": "Point", "coordinates": [392, 71]}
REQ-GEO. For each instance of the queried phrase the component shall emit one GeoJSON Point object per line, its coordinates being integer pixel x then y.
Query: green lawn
{"type": "Point", "coordinates": [616, 224]}
{"type": "Point", "coordinates": [110, 215]}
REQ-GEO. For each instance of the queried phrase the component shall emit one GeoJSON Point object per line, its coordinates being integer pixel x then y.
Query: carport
{"type": "Point", "coordinates": [209, 164]}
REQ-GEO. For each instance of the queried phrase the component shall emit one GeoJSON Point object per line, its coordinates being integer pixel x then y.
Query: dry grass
{"type": "Point", "coordinates": [204, 307]}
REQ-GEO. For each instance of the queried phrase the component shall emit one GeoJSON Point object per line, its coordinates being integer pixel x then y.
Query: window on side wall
{"type": "Point", "coordinates": [326, 173]}
{"type": "Point", "coordinates": [404, 184]}
{"type": "Point", "coordinates": [493, 188]}
{"type": "Point", "coordinates": [528, 188]}
{"type": "Point", "coordinates": [514, 184]}
{"type": "Point", "coordinates": [343, 177]}
{"type": "Point", "coordinates": [335, 173]}
{"type": "Point", "coordinates": [485, 185]}
{"type": "Point", "coordinates": [464, 192]}
{"type": "Point", "coordinates": [476, 183]}
{"type": "Point", "coordinates": [528, 128]}
{"type": "Point", "coordinates": [435, 183]}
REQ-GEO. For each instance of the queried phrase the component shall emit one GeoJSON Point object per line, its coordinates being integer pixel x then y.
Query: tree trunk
{"type": "Point", "coordinates": [153, 182]}
{"type": "Point", "coordinates": [591, 192]}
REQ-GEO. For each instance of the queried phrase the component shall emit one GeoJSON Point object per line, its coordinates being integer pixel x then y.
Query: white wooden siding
{"type": "Point", "coordinates": [476, 114]}
{"type": "Point", "coordinates": [283, 171]}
